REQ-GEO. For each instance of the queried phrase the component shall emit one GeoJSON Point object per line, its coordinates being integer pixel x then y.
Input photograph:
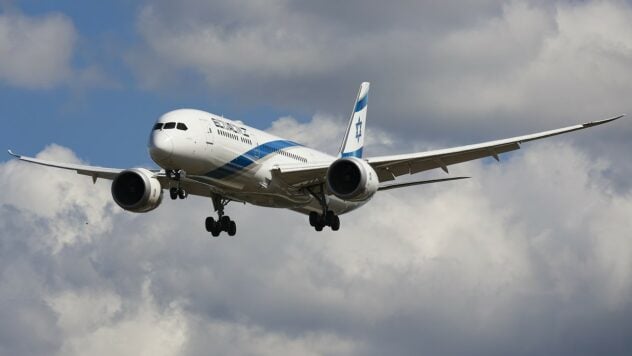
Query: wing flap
{"type": "Point", "coordinates": [301, 176]}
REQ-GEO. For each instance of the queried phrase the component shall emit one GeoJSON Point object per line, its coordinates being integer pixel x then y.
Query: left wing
{"type": "Point", "coordinates": [389, 167]}
{"type": "Point", "coordinates": [301, 176]}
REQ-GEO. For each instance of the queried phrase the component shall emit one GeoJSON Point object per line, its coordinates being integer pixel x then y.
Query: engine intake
{"type": "Point", "coordinates": [137, 190]}
{"type": "Point", "coordinates": [352, 179]}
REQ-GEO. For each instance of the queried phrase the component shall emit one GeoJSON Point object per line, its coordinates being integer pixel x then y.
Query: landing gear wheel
{"type": "Point", "coordinates": [224, 222]}
{"type": "Point", "coordinates": [173, 193]}
{"type": "Point", "coordinates": [209, 224]}
{"type": "Point", "coordinates": [182, 194]}
{"type": "Point", "coordinates": [319, 221]}
{"type": "Point", "coordinates": [232, 228]}
{"type": "Point", "coordinates": [329, 217]}
{"type": "Point", "coordinates": [335, 223]}
{"type": "Point", "coordinates": [313, 218]}
{"type": "Point", "coordinates": [216, 230]}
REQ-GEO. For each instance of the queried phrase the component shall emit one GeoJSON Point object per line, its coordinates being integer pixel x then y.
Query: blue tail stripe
{"type": "Point", "coordinates": [361, 104]}
{"type": "Point", "coordinates": [249, 157]}
{"type": "Point", "coordinates": [356, 153]}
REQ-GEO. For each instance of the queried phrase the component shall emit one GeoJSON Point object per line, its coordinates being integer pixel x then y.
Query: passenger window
{"type": "Point", "coordinates": [182, 126]}
{"type": "Point", "coordinates": [169, 125]}
{"type": "Point", "coordinates": [158, 126]}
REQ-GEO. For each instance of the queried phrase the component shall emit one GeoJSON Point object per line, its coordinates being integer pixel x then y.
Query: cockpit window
{"type": "Point", "coordinates": [158, 126]}
{"type": "Point", "coordinates": [182, 126]}
{"type": "Point", "coordinates": [169, 125]}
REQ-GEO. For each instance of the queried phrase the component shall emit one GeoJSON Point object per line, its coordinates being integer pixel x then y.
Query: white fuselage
{"type": "Point", "coordinates": [237, 159]}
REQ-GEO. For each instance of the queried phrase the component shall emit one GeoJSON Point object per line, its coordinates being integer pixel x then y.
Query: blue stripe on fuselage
{"type": "Point", "coordinates": [361, 104]}
{"type": "Point", "coordinates": [249, 157]}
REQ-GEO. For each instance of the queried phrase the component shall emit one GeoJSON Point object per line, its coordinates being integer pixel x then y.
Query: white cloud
{"type": "Point", "coordinates": [75, 208]}
{"type": "Point", "coordinates": [531, 60]}
{"type": "Point", "coordinates": [460, 267]}
{"type": "Point", "coordinates": [36, 52]}
{"type": "Point", "coordinates": [325, 133]}
{"type": "Point", "coordinates": [96, 325]}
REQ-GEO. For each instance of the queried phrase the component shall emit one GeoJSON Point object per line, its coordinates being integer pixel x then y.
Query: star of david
{"type": "Point", "coordinates": [358, 126]}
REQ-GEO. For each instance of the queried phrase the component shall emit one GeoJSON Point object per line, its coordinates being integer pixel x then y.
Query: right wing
{"type": "Point", "coordinates": [389, 167]}
{"type": "Point", "coordinates": [195, 185]}
{"type": "Point", "coordinates": [93, 171]}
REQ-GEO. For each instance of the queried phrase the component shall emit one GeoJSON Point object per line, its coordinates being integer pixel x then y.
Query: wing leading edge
{"type": "Point", "coordinates": [93, 171]}
{"type": "Point", "coordinates": [389, 167]}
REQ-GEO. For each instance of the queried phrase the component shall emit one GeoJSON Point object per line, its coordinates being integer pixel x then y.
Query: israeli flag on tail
{"type": "Point", "coordinates": [353, 142]}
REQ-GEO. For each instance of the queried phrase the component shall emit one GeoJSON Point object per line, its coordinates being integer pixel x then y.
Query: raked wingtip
{"type": "Point", "coordinates": [600, 122]}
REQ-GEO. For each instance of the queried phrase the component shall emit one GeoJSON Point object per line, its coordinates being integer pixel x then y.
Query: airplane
{"type": "Point", "coordinates": [208, 155]}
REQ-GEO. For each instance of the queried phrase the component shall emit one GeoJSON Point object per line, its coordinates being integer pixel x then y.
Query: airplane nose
{"type": "Point", "coordinates": [160, 146]}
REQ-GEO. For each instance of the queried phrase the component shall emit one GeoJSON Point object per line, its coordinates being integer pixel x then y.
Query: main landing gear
{"type": "Point", "coordinates": [177, 191]}
{"type": "Point", "coordinates": [327, 217]}
{"type": "Point", "coordinates": [223, 222]}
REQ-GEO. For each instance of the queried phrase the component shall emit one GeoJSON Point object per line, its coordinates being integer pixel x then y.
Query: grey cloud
{"type": "Point", "coordinates": [530, 256]}
{"type": "Point", "coordinates": [435, 67]}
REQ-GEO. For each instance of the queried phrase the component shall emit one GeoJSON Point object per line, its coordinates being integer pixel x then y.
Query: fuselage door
{"type": "Point", "coordinates": [206, 135]}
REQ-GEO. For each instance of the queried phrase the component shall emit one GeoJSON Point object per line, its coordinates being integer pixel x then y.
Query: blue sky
{"type": "Point", "coordinates": [106, 123]}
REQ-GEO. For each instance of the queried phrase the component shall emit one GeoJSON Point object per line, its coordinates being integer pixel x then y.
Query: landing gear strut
{"type": "Point", "coordinates": [177, 191]}
{"type": "Point", "coordinates": [327, 217]}
{"type": "Point", "coordinates": [223, 222]}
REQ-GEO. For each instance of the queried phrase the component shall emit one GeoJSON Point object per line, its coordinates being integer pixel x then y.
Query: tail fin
{"type": "Point", "coordinates": [353, 142]}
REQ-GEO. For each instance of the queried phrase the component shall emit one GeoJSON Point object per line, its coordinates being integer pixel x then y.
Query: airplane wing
{"type": "Point", "coordinates": [93, 171]}
{"type": "Point", "coordinates": [389, 167]}
{"type": "Point", "coordinates": [195, 185]}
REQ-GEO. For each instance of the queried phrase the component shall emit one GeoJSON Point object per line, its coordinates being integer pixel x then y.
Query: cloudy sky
{"type": "Point", "coordinates": [531, 256]}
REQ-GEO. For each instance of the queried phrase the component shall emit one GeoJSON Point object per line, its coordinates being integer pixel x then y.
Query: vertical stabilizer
{"type": "Point", "coordinates": [353, 143]}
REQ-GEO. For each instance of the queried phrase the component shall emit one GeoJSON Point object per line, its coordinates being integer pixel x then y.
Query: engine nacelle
{"type": "Point", "coordinates": [351, 178]}
{"type": "Point", "coordinates": [137, 190]}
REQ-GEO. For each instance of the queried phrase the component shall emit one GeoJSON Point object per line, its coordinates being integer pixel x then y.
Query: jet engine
{"type": "Point", "coordinates": [137, 190]}
{"type": "Point", "coordinates": [351, 178]}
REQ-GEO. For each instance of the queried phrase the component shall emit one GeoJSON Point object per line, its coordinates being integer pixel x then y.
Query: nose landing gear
{"type": "Point", "coordinates": [177, 191]}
